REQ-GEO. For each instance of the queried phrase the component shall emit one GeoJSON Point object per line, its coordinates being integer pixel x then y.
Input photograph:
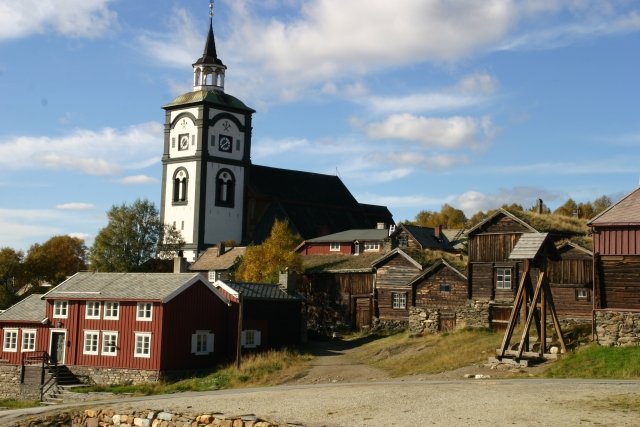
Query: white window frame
{"type": "Point", "coordinates": [60, 309]}
{"type": "Point", "coordinates": [202, 343]}
{"type": "Point", "coordinates": [107, 350]}
{"type": "Point", "coordinates": [334, 246]}
{"type": "Point", "coordinates": [92, 310]}
{"type": "Point", "coordinates": [94, 344]}
{"type": "Point", "coordinates": [212, 276]}
{"type": "Point", "coordinates": [504, 272]}
{"type": "Point", "coordinates": [28, 340]}
{"type": "Point", "coordinates": [109, 308]}
{"type": "Point", "coordinates": [582, 294]}
{"type": "Point", "coordinates": [10, 340]}
{"type": "Point", "coordinates": [142, 344]}
{"type": "Point", "coordinates": [371, 246]}
{"type": "Point", "coordinates": [144, 311]}
{"type": "Point", "coordinates": [399, 300]}
{"type": "Point", "coordinates": [250, 338]}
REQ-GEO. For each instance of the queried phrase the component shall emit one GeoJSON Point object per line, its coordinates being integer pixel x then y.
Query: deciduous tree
{"type": "Point", "coordinates": [11, 275]}
{"type": "Point", "coordinates": [133, 235]}
{"type": "Point", "coordinates": [262, 263]}
{"type": "Point", "coordinates": [55, 260]}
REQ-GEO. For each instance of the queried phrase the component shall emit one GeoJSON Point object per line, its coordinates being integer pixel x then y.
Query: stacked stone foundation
{"type": "Point", "coordinates": [617, 328]}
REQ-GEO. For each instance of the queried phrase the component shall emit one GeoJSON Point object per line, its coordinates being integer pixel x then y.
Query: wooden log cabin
{"type": "Point", "coordinates": [491, 274]}
{"type": "Point", "coordinates": [616, 248]}
{"type": "Point", "coordinates": [394, 295]}
{"type": "Point", "coordinates": [441, 287]}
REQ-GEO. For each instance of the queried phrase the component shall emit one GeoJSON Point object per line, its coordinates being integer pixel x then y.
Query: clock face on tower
{"type": "Point", "coordinates": [225, 143]}
{"type": "Point", "coordinates": [183, 142]}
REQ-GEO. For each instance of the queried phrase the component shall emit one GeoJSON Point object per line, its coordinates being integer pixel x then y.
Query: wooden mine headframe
{"type": "Point", "coordinates": [534, 249]}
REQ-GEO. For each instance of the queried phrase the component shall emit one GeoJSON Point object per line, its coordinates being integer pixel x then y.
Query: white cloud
{"type": "Point", "coordinates": [181, 44]}
{"type": "Point", "coordinates": [450, 133]}
{"type": "Point", "coordinates": [481, 83]}
{"type": "Point", "coordinates": [103, 152]}
{"type": "Point", "coordinates": [137, 179]}
{"type": "Point", "coordinates": [333, 37]}
{"type": "Point", "coordinates": [471, 202]}
{"type": "Point", "coordinates": [414, 103]}
{"type": "Point", "coordinates": [71, 18]}
{"type": "Point", "coordinates": [443, 161]}
{"type": "Point", "coordinates": [407, 201]}
{"type": "Point", "coordinates": [75, 206]}
{"type": "Point", "coordinates": [82, 236]}
{"type": "Point", "coordinates": [271, 147]}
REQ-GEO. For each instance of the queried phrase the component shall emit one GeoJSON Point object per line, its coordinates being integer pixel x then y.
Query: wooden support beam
{"type": "Point", "coordinates": [554, 317]}
{"type": "Point", "coordinates": [527, 325]}
{"type": "Point", "coordinates": [517, 303]}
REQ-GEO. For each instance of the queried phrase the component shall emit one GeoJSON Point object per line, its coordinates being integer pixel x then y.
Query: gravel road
{"type": "Point", "coordinates": [340, 392]}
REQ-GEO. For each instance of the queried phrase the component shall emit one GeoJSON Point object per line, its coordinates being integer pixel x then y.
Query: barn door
{"type": "Point", "coordinates": [447, 322]}
{"type": "Point", "coordinates": [499, 315]}
{"type": "Point", "coordinates": [363, 312]}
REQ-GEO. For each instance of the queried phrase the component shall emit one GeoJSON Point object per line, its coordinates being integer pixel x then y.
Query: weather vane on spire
{"type": "Point", "coordinates": [211, 9]}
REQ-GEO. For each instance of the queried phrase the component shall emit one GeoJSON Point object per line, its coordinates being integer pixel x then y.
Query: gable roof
{"type": "Point", "coordinates": [573, 245]}
{"type": "Point", "coordinates": [258, 291]}
{"type": "Point", "coordinates": [434, 267]}
{"type": "Point", "coordinates": [127, 286]}
{"type": "Point", "coordinates": [426, 237]}
{"type": "Point", "coordinates": [30, 309]}
{"type": "Point", "coordinates": [499, 211]}
{"type": "Point", "coordinates": [314, 204]}
{"type": "Point", "coordinates": [393, 253]}
{"type": "Point", "coordinates": [360, 235]}
{"type": "Point", "coordinates": [210, 260]}
{"type": "Point", "coordinates": [528, 246]}
{"type": "Point", "coordinates": [624, 212]}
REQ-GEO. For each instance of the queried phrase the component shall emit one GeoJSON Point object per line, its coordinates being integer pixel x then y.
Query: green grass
{"type": "Point", "coordinates": [18, 404]}
{"type": "Point", "coordinates": [401, 354]}
{"type": "Point", "coordinates": [593, 361]}
{"type": "Point", "coordinates": [269, 368]}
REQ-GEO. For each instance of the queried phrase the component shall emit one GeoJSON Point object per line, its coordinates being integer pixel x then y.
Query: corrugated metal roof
{"type": "Point", "coordinates": [211, 261]}
{"type": "Point", "coordinates": [30, 309]}
{"type": "Point", "coordinates": [625, 212]}
{"type": "Point", "coordinates": [263, 291]}
{"type": "Point", "coordinates": [124, 286]}
{"type": "Point", "coordinates": [528, 246]}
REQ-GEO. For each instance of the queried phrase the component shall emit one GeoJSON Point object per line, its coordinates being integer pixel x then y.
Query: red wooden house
{"type": "Point", "coordinates": [271, 313]}
{"type": "Point", "coordinates": [133, 327]}
{"type": "Point", "coordinates": [24, 329]}
{"type": "Point", "coordinates": [616, 248]}
{"type": "Point", "coordinates": [350, 242]}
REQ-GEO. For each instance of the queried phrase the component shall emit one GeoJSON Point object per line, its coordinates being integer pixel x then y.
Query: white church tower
{"type": "Point", "coordinates": [206, 159]}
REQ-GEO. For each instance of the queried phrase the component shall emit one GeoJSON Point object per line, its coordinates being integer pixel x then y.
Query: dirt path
{"type": "Point", "coordinates": [333, 364]}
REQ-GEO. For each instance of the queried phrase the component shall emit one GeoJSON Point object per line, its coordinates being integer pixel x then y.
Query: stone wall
{"type": "Point", "coordinates": [112, 376]}
{"type": "Point", "coordinates": [10, 387]}
{"type": "Point", "coordinates": [474, 315]}
{"type": "Point", "coordinates": [617, 328]}
{"type": "Point", "coordinates": [423, 321]}
{"type": "Point", "coordinates": [147, 418]}
{"type": "Point", "coordinates": [390, 325]}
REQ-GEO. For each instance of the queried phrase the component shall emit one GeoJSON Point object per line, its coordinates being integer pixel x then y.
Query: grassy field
{"type": "Point", "coordinates": [401, 354]}
{"type": "Point", "coordinates": [18, 404]}
{"type": "Point", "coordinates": [593, 361]}
{"type": "Point", "coordinates": [270, 368]}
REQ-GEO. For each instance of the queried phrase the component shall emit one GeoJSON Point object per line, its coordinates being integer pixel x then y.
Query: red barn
{"type": "Point", "coordinates": [616, 252]}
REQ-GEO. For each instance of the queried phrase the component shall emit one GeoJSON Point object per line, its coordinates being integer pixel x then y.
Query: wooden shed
{"type": "Point", "coordinates": [571, 281]}
{"type": "Point", "coordinates": [441, 287]}
{"type": "Point", "coordinates": [394, 295]}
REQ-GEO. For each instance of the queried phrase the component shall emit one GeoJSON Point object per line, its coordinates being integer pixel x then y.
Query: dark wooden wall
{"type": "Point", "coordinates": [618, 280]}
{"type": "Point", "coordinates": [482, 280]}
{"type": "Point", "coordinates": [330, 296]}
{"type": "Point", "coordinates": [429, 296]}
{"type": "Point", "coordinates": [392, 276]}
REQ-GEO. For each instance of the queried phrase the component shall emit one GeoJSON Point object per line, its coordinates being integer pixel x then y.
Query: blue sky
{"type": "Point", "coordinates": [413, 103]}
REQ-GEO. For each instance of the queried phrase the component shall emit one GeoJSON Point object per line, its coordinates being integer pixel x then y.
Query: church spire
{"type": "Point", "coordinates": [208, 70]}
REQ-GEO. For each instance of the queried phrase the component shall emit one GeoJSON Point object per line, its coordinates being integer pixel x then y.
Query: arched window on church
{"type": "Point", "coordinates": [180, 185]}
{"type": "Point", "coordinates": [225, 188]}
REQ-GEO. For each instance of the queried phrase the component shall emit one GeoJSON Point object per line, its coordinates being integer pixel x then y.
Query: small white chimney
{"type": "Point", "coordinates": [287, 281]}
{"type": "Point", "coordinates": [380, 226]}
{"type": "Point", "coordinates": [180, 264]}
